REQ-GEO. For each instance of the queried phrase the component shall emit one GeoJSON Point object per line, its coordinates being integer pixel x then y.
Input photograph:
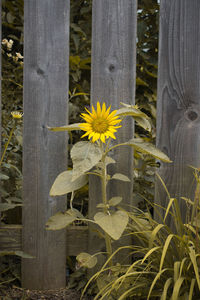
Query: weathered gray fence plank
{"type": "Point", "coordinates": [46, 56]}
{"type": "Point", "coordinates": [178, 111]}
{"type": "Point", "coordinates": [76, 239]}
{"type": "Point", "coordinates": [113, 81]}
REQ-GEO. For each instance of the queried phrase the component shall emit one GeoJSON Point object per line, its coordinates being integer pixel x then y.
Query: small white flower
{"type": "Point", "coordinates": [9, 44]}
{"type": "Point", "coordinates": [19, 55]}
{"type": "Point", "coordinates": [4, 42]}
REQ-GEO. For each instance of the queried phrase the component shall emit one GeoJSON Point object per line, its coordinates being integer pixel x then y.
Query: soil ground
{"type": "Point", "coordinates": [16, 293]}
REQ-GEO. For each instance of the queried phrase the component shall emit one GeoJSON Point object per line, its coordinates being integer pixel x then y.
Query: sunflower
{"type": "Point", "coordinates": [100, 123]}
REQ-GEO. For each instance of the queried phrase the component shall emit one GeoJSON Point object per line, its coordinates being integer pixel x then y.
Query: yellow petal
{"type": "Point", "coordinates": [94, 112]}
{"type": "Point", "coordinates": [91, 134]}
{"type": "Point", "coordinates": [96, 136]}
{"type": "Point", "coordinates": [110, 134]}
{"type": "Point", "coordinates": [102, 137]}
{"type": "Point", "coordinates": [114, 122]}
{"type": "Point", "coordinates": [107, 112]}
{"type": "Point", "coordinates": [103, 109]}
{"type": "Point", "coordinates": [87, 118]}
{"type": "Point", "coordinates": [111, 115]}
{"type": "Point", "coordinates": [98, 109]}
{"type": "Point", "coordinates": [85, 134]}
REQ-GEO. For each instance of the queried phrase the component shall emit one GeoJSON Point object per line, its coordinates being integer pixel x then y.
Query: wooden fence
{"type": "Point", "coordinates": [46, 56]}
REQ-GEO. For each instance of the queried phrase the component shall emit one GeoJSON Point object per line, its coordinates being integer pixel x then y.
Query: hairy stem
{"type": "Point", "coordinates": [104, 200]}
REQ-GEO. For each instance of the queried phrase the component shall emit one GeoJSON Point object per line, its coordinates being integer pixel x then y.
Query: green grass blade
{"type": "Point", "coordinates": [184, 260]}
{"type": "Point", "coordinates": [157, 277]}
{"type": "Point", "coordinates": [124, 295]}
{"type": "Point", "coordinates": [176, 270]}
{"type": "Point", "coordinates": [168, 207]}
{"type": "Point", "coordinates": [165, 248]}
{"type": "Point", "coordinates": [179, 222]}
{"type": "Point", "coordinates": [154, 233]}
{"type": "Point", "coordinates": [177, 287]}
{"type": "Point", "coordinates": [149, 253]}
{"type": "Point", "coordinates": [163, 184]}
{"type": "Point", "coordinates": [191, 289]}
{"type": "Point", "coordinates": [194, 262]}
{"type": "Point", "coordinates": [165, 289]}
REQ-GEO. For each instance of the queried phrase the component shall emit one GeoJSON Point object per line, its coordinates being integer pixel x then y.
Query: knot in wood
{"type": "Point", "coordinates": [111, 68]}
{"type": "Point", "coordinates": [192, 114]}
{"type": "Point", "coordinates": [40, 71]}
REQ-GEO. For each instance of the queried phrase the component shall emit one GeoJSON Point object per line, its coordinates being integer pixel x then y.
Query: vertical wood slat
{"type": "Point", "coordinates": [178, 107]}
{"type": "Point", "coordinates": [46, 56]}
{"type": "Point", "coordinates": [113, 81]}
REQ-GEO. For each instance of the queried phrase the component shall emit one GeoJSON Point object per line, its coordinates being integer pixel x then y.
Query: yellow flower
{"type": "Point", "coordinates": [16, 114]}
{"type": "Point", "coordinates": [100, 123]}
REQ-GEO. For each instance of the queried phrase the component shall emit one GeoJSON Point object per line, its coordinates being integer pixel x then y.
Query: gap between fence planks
{"type": "Point", "coordinates": [113, 81]}
{"type": "Point", "coordinates": [46, 57]}
{"type": "Point", "coordinates": [178, 106]}
{"type": "Point", "coordinates": [0, 87]}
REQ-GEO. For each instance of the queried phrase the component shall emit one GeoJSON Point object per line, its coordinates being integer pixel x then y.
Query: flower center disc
{"type": "Point", "coordinates": [100, 125]}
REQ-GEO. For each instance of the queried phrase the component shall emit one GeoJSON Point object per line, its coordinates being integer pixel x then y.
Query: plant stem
{"type": "Point", "coordinates": [6, 145]}
{"type": "Point", "coordinates": [104, 200]}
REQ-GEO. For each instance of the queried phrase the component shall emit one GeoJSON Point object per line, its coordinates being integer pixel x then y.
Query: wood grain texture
{"type": "Point", "coordinates": [76, 239]}
{"type": "Point", "coordinates": [178, 108]}
{"type": "Point", "coordinates": [46, 56]}
{"type": "Point", "coordinates": [112, 82]}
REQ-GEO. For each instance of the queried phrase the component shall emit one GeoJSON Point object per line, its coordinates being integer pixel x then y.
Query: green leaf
{"type": "Point", "coordinates": [75, 126]}
{"type": "Point", "coordinates": [64, 184]}
{"type": "Point", "coordinates": [114, 224]}
{"type": "Point", "coordinates": [143, 122]}
{"type": "Point", "coordinates": [130, 110]}
{"type": "Point", "coordinates": [7, 206]}
{"type": "Point", "coordinates": [3, 177]}
{"type": "Point", "coordinates": [101, 205]}
{"type": "Point", "coordinates": [59, 221]}
{"type": "Point", "coordinates": [110, 160]}
{"type": "Point", "coordinates": [121, 177]}
{"type": "Point", "coordinates": [115, 201]}
{"type": "Point", "coordinates": [148, 148]}
{"type": "Point", "coordinates": [86, 260]}
{"type": "Point", "coordinates": [23, 254]}
{"type": "Point", "coordinates": [85, 155]}
{"type": "Point", "coordinates": [18, 253]}
{"type": "Point", "coordinates": [139, 81]}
